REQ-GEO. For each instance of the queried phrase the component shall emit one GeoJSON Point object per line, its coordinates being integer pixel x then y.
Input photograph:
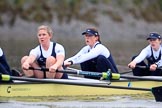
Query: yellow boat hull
{"type": "Point", "coordinates": [51, 89]}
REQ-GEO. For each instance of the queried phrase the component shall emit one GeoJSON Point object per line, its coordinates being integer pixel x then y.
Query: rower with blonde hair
{"type": "Point", "coordinates": [48, 54]}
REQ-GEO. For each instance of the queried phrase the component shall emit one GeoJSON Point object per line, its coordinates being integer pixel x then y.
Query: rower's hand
{"type": "Point", "coordinates": [25, 65]}
{"type": "Point", "coordinates": [53, 68]}
{"type": "Point", "coordinates": [67, 63]}
{"type": "Point", "coordinates": [132, 65]}
{"type": "Point", "coordinates": [153, 67]}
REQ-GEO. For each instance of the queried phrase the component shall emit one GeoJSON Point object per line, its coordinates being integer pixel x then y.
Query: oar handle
{"type": "Point", "coordinates": [40, 69]}
{"type": "Point", "coordinates": [47, 69]}
{"type": "Point", "coordinates": [142, 67]}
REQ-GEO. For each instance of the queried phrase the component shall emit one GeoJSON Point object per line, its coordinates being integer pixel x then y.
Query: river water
{"type": "Point", "coordinates": [112, 102]}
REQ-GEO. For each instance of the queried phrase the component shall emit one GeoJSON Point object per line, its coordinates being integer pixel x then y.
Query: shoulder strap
{"type": "Point", "coordinates": [96, 44]}
{"type": "Point", "coordinates": [53, 50]}
{"type": "Point", "coordinates": [41, 50]}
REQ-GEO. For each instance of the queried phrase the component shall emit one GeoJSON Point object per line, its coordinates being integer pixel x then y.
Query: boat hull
{"type": "Point", "coordinates": [51, 89]}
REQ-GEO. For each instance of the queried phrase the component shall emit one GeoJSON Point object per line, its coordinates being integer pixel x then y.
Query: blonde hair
{"type": "Point", "coordinates": [44, 27]}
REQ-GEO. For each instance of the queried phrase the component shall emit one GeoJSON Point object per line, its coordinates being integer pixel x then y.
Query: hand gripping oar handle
{"type": "Point", "coordinates": [61, 71]}
{"type": "Point", "coordinates": [40, 69]}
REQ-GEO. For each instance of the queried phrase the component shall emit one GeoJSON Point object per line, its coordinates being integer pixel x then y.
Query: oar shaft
{"type": "Point", "coordinates": [40, 69]}
{"type": "Point", "coordinates": [78, 72]}
{"type": "Point", "coordinates": [141, 78]}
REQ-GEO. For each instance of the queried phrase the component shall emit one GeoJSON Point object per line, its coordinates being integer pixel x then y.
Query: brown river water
{"type": "Point", "coordinates": [107, 102]}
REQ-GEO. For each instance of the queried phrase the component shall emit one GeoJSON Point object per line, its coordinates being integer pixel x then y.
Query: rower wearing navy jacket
{"type": "Point", "coordinates": [153, 54]}
{"type": "Point", "coordinates": [94, 56]}
{"type": "Point", "coordinates": [4, 67]}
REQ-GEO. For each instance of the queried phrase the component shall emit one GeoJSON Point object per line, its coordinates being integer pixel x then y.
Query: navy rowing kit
{"type": "Point", "coordinates": [4, 67]}
{"type": "Point", "coordinates": [42, 60]}
{"type": "Point", "coordinates": [153, 57]}
{"type": "Point", "coordinates": [41, 55]}
{"type": "Point", "coordinates": [97, 59]}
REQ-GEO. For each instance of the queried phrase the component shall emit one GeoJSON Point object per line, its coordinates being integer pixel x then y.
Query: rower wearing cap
{"type": "Point", "coordinates": [153, 55]}
{"type": "Point", "coordinates": [94, 56]}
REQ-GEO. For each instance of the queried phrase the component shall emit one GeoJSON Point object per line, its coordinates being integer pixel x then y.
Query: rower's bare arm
{"type": "Point", "coordinates": [58, 64]}
{"type": "Point", "coordinates": [28, 62]}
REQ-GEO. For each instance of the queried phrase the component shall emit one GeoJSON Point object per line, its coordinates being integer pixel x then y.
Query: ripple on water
{"type": "Point", "coordinates": [92, 102]}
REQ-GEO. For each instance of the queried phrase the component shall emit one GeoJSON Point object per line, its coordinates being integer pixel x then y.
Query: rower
{"type": "Point", "coordinates": [153, 54]}
{"type": "Point", "coordinates": [94, 56]}
{"type": "Point", "coordinates": [47, 54]}
{"type": "Point", "coordinates": [4, 67]}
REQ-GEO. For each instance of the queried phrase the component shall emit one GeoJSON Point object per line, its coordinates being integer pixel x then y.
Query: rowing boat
{"type": "Point", "coordinates": [65, 87]}
{"type": "Point", "coordinates": [115, 84]}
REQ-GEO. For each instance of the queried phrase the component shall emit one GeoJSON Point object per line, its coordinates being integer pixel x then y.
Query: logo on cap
{"type": "Point", "coordinates": [154, 36]}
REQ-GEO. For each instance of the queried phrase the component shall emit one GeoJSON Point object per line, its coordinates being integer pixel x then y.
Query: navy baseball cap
{"type": "Point", "coordinates": [154, 36]}
{"type": "Point", "coordinates": [91, 32]}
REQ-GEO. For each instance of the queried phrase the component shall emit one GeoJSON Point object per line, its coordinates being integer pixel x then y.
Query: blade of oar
{"type": "Point", "coordinates": [155, 91]}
